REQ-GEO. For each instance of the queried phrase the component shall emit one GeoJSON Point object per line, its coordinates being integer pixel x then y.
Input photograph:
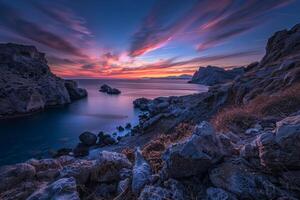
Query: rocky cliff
{"type": "Point", "coordinates": [27, 84]}
{"type": "Point", "coordinates": [278, 70]}
{"type": "Point", "coordinates": [257, 160]}
{"type": "Point", "coordinates": [212, 75]}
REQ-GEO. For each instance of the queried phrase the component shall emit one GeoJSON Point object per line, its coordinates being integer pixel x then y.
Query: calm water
{"type": "Point", "coordinates": [35, 135]}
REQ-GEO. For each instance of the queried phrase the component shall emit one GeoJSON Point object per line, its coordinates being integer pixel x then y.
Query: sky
{"type": "Point", "coordinates": [145, 38]}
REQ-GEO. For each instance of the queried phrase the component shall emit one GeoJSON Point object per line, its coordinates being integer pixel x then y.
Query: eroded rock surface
{"type": "Point", "coordinates": [28, 85]}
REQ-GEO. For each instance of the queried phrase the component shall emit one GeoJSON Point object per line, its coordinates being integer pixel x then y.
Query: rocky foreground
{"type": "Point", "coordinates": [27, 84]}
{"type": "Point", "coordinates": [239, 140]}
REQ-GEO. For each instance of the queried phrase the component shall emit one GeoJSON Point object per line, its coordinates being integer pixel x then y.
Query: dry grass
{"type": "Point", "coordinates": [238, 118]}
{"type": "Point", "coordinates": [154, 149]}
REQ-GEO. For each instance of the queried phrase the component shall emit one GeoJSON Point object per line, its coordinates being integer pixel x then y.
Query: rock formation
{"type": "Point", "coordinates": [27, 84]}
{"type": "Point", "coordinates": [109, 90]}
{"type": "Point", "coordinates": [212, 75]}
{"type": "Point", "coordinates": [267, 77]}
{"type": "Point", "coordinates": [259, 162]}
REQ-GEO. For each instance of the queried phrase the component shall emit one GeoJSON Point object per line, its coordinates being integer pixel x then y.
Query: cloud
{"type": "Point", "coordinates": [172, 66]}
{"type": "Point", "coordinates": [205, 22]}
{"type": "Point", "coordinates": [64, 16]}
{"type": "Point", "coordinates": [10, 19]}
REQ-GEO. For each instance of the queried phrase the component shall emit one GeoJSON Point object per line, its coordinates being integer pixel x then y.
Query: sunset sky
{"type": "Point", "coordinates": [144, 38]}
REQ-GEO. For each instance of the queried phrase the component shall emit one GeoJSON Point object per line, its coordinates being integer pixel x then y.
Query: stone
{"type": "Point", "coordinates": [64, 189]}
{"type": "Point", "coordinates": [171, 189]}
{"type": "Point", "coordinates": [12, 175]}
{"type": "Point", "coordinates": [109, 166]}
{"type": "Point", "coordinates": [195, 156]}
{"type": "Point", "coordinates": [62, 152]}
{"type": "Point", "coordinates": [236, 177]}
{"type": "Point", "coordinates": [218, 194]}
{"type": "Point", "coordinates": [81, 150]}
{"type": "Point", "coordinates": [141, 173]}
{"type": "Point", "coordinates": [128, 126]}
{"type": "Point", "coordinates": [141, 103]}
{"type": "Point", "coordinates": [155, 193]}
{"type": "Point", "coordinates": [80, 169]}
{"type": "Point", "coordinates": [123, 185]}
{"type": "Point", "coordinates": [88, 138]}
{"type": "Point", "coordinates": [279, 151]}
{"type": "Point", "coordinates": [120, 128]}
{"type": "Point", "coordinates": [105, 139]}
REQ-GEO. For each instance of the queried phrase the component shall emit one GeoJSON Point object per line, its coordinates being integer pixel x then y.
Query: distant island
{"type": "Point", "coordinates": [183, 76]}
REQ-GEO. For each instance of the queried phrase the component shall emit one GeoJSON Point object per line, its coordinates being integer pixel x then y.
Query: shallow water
{"type": "Point", "coordinates": [36, 135]}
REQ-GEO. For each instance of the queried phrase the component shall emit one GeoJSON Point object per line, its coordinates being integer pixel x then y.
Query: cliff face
{"type": "Point", "coordinates": [212, 75]}
{"type": "Point", "coordinates": [27, 84]}
{"type": "Point", "coordinates": [278, 70]}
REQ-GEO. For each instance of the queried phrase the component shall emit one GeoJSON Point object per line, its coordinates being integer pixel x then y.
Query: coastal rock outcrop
{"type": "Point", "coordinates": [212, 75]}
{"type": "Point", "coordinates": [28, 85]}
{"type": "Point", "coordinates": [268, 77]}
{"type": "Point", "coordinates": [109, 90]}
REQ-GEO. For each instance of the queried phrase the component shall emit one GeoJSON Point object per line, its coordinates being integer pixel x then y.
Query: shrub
{"type": "Point", "coordinates": [239, 118]}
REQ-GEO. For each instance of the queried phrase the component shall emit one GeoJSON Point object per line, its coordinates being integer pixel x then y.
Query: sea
{"type": "Point", "coordinates": [42, 133]}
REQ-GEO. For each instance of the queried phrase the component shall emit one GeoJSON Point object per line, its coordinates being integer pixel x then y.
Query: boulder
{"type": "Point", "coordinates": [64, 188]}
{"type": "Point", "coordinates": [279, 151]}
{"type": "Point", "coordinates": [81, 150]}
{"type": "Point", "coordinates": [105, 139]}
{"type": "Point", "coordinates": [141, 103]}
{"type": "Point", "coordinates": [110, 166]}
{"type": "Point", "coordinates": [80, 169]}
{"type": "Point", "coordinates": [212, 75]}
{"type": "Point", "coordinates": [195, 156]}
{"type": "Point", "coordinates": [12, 175]}
{"type": "Point", "coordinates": [170, 189]}
{"type": "Point", "coordinates": [236, 177]}
{"type": "Point", "coordinates": [141, 173]}
{"type": "Point", "coordinates": [128, 126]}
{"type": "Point", "coordinates": [88, 138]}
{"type": "Point", "coordinates": [218, 194]}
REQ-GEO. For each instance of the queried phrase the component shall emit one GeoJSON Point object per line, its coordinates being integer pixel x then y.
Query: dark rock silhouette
{"type": "Point", "coordinates": [27, 84]}
{"type": "Point", "coordinates": [212, 75]}
{"type": "Point", "coordinates": [109, 90]}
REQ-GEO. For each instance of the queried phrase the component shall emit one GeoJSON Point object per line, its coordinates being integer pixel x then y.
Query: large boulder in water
{"type": "Point", "coordinates": [212, 75]}
{"type": "Point", "coordinates": [109, 90]}
{"type": "Point", "coordinates": [28, 85]}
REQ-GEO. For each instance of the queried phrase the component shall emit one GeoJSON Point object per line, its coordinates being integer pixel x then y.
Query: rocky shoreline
{"type": "Point", "coordinates": [28, 86]}
{"type": "Point", "coordinates": [239, 140]}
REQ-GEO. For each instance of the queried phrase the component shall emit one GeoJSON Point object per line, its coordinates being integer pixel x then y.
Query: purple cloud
{"type": "Point", "coordinates": [208, 23]}
{"type": "Point", "coordinates": [10, 19]}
